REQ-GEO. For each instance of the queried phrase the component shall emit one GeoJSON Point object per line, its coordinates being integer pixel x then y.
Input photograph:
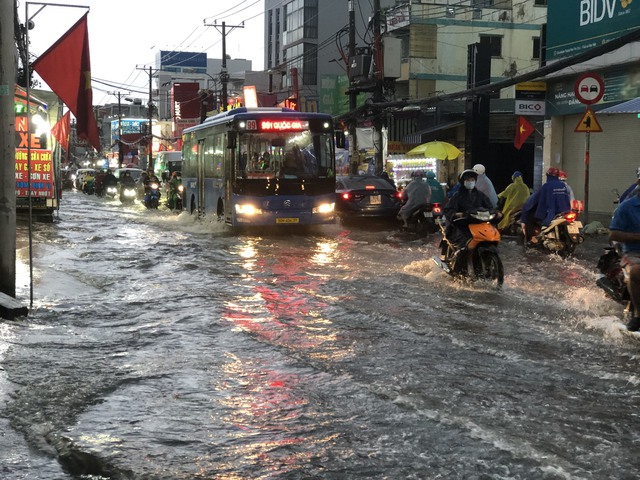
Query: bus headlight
{"type": "Point", "coordinates": [247, 209]}
{"type": "Point", "coordinates": [324, 208]}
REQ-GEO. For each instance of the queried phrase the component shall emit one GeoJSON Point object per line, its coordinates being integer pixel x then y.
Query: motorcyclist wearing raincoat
{"type": "Point", "coordinates": [417, 193]}
{"type": "Point", "coordinates": [514, 196]}
{"type": "Point", "coordinates": [541, 207]}
{"type": "Point", "coordinates": [467, 199]}
{"type": "Point", "coordinates": [437, 192]}
{"type": "Point", "coordinates": [485, 185]}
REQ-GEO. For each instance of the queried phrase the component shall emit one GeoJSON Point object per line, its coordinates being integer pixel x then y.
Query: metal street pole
{"type": "Point", "coordinates": [7, 152]}
{"type": "Point", "coordinates": [353, 94]}
{"type": "Point", "coordinates": [378, 93]}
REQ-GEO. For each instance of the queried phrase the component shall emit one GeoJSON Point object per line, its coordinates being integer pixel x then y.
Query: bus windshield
{"type": "Point", "coordinates": [304, 154]}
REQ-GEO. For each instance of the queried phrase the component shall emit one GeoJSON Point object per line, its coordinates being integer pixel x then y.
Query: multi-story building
{"type": "Point", "coordinates": [437, 59]}
{"type": "Point", "coordinates": [306, 40]}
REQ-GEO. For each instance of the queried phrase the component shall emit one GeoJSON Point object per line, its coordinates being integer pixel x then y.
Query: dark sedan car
{"type": "Point", "coordinates": [360, 196]}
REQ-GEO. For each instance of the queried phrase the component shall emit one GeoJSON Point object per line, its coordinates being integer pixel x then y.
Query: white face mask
{"type": "Point", "coordinates": [470, 184]}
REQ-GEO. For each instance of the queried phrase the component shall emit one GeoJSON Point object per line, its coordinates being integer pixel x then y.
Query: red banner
{"type": "Point", "coordinates": [42, 176]}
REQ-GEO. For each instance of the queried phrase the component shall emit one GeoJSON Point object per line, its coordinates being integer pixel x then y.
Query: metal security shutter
{"type": "Point", "coordinates": [613, 156]}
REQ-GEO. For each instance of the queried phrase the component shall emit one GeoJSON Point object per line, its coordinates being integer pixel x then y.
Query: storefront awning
{"type": "Point", "coordinates": [418, 137]}
{"type": "Point", "coordinates": [631, 106]}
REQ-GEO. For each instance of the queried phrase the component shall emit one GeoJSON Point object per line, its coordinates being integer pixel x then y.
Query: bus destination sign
{"type": "Point", "coordinates": [283, 125]}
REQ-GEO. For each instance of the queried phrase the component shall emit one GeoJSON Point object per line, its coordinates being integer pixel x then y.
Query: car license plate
{"type": "Point", "coordinates": [287, 220]}
{"type": "Point", "coordinates": [574, 228]}
{"type": "Point", "coordinates": [375, 200]}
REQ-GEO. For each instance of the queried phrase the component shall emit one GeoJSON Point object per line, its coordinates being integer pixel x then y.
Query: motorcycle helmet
{"type": "Point", "coordinates": [553, 171]}
{"type": "Point", "coordinates": [516, 174]}
{"type": "Point", "coordinates": [417, 174]}
{"type": "Point", "coordinates": [431, 174]}
{"type": "Point", "coordinates": [562, 175]}
{"type": "Point", "coordinates": [479, 168]}
{"type": "Point", "coordinates": [468, 174]}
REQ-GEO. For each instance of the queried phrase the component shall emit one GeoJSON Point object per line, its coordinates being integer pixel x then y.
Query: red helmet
{"type": "Point", "coordinates": [562, 175]}
{"type": "Point", "coordinates": [553, 171]}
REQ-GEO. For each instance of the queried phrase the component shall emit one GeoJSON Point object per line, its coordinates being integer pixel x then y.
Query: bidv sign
{"type": "Point", "coordinates": [594, 11]}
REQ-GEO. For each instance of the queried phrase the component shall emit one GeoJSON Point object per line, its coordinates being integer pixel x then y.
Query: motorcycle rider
{"type": "Point", "coordinates": [541, 207]}
{"type": "Point", "coordinates": [633, 188]}
{"type": "Point", "coordinates": [485, 185]}
{"type": "Point", "coordinates": [418, 193]}
{"type": "Point", "coordinates": [514, 196]}
{"type": "Point", "coordinates": [562, 176]}
{"type": "Point", "coordinates": [467, 199]}
{"type": "Point", "coordinates": [437, 192]}
{"type": "Point", "coordinates": [625, 228]}
{"type": "Point", "coordinates": [174, 183]}
{"type": "Point", "coordinates": [109, 180]}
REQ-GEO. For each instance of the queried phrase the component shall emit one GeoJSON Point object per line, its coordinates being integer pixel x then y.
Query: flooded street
{"type": "Point", "coordinates": [162, 347]}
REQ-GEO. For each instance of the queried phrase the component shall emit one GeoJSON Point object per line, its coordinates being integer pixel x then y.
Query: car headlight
{"type": "Point", "coordinates": [247, 209]}
{"type": "Point", "coordinates": [324, 208]}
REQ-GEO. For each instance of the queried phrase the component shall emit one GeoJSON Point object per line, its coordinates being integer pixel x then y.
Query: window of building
{"type": "Point", "coordinates": [495, 41]}
{"type": "Point", "coordinates": [540, 3]}
{"type": "Point", "coordinates": [536, 48]}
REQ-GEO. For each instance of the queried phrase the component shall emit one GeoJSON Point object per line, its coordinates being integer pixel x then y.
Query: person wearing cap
{"type": "Point", "coordinates": [467, 199]}
{"type": "Point", "coordinates": [417, 193]}
{"type": "Point", "coordinates": [485, 185]}
{"type": "Point", "coordinates": [514, 196]}
{"type": "Point", "coordinates": [540, 208]}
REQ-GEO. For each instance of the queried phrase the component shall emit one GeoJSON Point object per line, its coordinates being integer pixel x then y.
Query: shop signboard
{"type": "Point", "coordinates": [574, 26]}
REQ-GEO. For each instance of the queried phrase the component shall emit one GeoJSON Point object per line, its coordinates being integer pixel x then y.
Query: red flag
{"type": "Point", "coordinates": [66, 67]}
{"type": "Point", "coordinates": [60, 130]}
{"type": "Point", "coordinates": [523, 130]}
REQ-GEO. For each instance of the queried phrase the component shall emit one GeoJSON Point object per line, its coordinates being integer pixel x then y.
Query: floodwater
{"type": "Point", "coordinates": [163, 347]}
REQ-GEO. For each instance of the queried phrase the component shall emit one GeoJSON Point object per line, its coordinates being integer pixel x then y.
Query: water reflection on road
{"type": "Point", "coordinates": [165, 347]}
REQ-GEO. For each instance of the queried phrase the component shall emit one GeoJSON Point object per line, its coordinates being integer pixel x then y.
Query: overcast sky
{"type": "Point", "coordinates": [124, 35]}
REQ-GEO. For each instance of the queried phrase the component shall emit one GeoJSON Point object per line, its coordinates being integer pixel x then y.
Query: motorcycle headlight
{"type": "Point", "coordinates": [129, 193]}
{"type": "Point", "coordinates": [180, 188]}
{"type": "Point", "coordinates": [154, 186]}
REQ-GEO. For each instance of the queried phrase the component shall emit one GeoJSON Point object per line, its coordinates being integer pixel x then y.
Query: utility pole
{"type": "Point", "coordinates": [150, 129]}
{"type": "Point", "coordinates": [378, 93]}
{"type": "Point", "coordinates": [120, 144]}
{"type": "Point", "coordinates": [7, 152]}
{"type": "Point", "coordinates": [224, 76]}
{"type": "Point", "coordinates": [353, 94]}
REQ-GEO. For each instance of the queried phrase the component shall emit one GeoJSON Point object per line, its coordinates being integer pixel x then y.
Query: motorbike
{"type": "Point", "coordinates": [561, 236]}
{"type": "Point", "coordinates": [479, 258]}
{"type": "Point", "coordinates": [423, 220]}
{"type": "Point", "coordinates": [513, 228]}
{"type": "Point", "coordinates": [127, 193]}
{"type": "Point", "coordinates": [151, 197]}
{"type": "Point", "coordinates": [175, 198]}
{"type": "Point", "coordinates": [88, 187]}
{"type": "Point", "coordinates": [611, 278]}
{"type": "Point", "coordinates": [111, 191]}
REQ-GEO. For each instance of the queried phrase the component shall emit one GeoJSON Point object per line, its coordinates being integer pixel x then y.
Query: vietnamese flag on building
{"type": "Point", "coordinates": [523, 130]}
{"type": "Point", "coordinates": [66, 68]}
{"type": "Point", "coordinates": [60, 130]}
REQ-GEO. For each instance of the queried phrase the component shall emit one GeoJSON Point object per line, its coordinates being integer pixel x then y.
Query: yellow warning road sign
{"type": "Point", "coordinates": [588, 123]}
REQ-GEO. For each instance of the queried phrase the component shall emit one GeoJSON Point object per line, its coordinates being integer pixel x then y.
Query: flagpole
{"type": "Point", "coordinates": [27, 69]}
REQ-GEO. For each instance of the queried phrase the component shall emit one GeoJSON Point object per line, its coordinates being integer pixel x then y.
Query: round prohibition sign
{"type": "Point", "coordinates": [589, 88]}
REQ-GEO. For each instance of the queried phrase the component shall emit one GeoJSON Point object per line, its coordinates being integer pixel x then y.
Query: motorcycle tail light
{"type": "Point", "coordinates": [570, 217]}
{"type": "Point", "coordinates": [436, 208]}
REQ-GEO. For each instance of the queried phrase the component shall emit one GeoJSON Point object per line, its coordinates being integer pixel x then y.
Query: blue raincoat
{"type": "Point", "coordinates": [546, 203]}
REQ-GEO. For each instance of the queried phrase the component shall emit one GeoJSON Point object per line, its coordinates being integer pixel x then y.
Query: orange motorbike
{"type": "Point", "coordinates": [478, 259]}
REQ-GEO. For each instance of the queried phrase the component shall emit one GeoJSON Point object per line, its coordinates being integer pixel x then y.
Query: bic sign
{"type": "Point", "coordinates": [594, 11]}
{"type": "Point", "coordinates": [529, 107]}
